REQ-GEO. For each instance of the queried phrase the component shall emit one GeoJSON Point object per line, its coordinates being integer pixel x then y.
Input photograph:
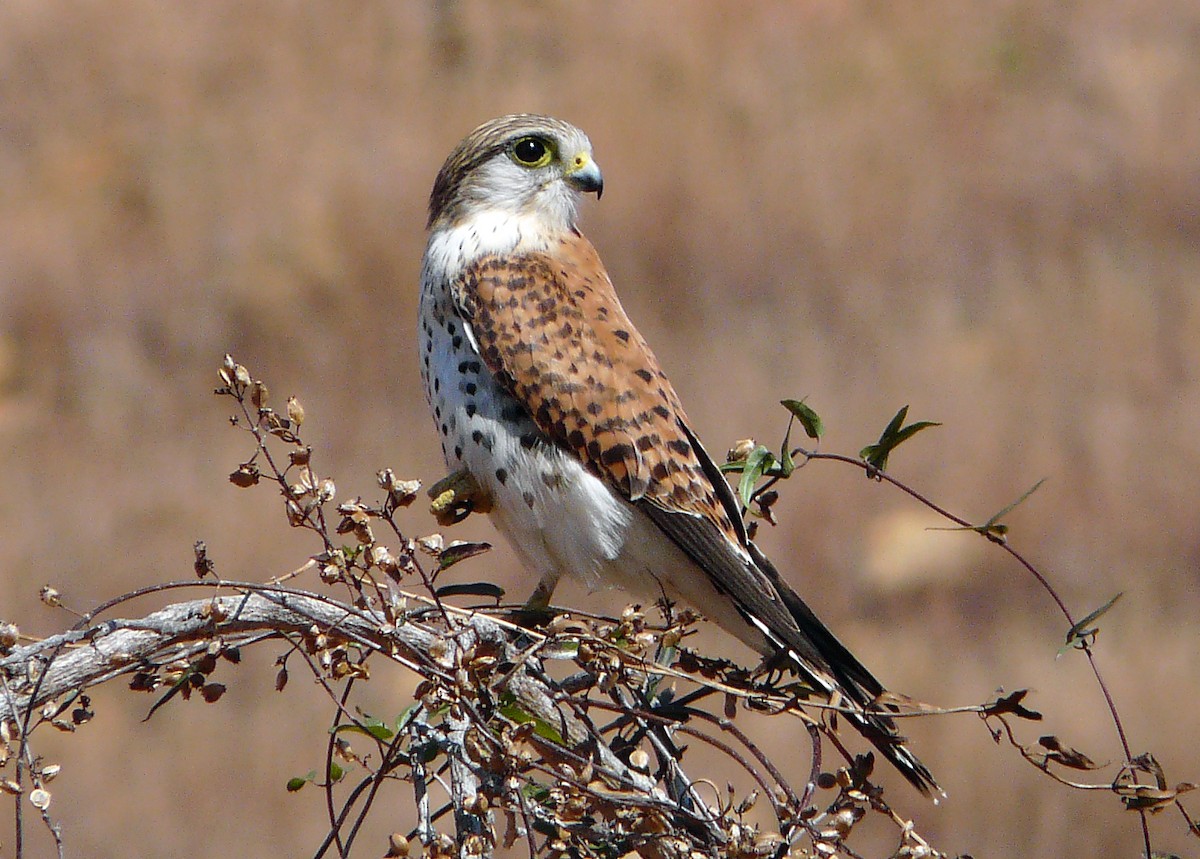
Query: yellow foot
{"type": "Point", "coordinates": [457, 496]}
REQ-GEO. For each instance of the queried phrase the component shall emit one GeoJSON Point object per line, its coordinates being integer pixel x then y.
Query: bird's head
{"type": "Point", "coordinates": [523, 165]}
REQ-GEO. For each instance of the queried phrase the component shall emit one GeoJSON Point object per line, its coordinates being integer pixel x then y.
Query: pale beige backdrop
{"type": "Point", "coordinates": [988, 211]}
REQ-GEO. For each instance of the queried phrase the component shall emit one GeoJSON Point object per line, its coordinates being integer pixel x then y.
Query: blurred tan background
{"type": "Point", "coordinates": [989, 211]}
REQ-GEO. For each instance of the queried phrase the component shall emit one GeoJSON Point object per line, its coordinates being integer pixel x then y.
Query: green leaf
{"type": "Point", "coordinates": [543, 729]}
{"type": "Point", "coordinates": [758, 462]}
{"type": "Point", "coordinates": [471, 589]}
{"type": "Point", "coordinates": [993, 528]}
{"type": "Point", "coordinates": [1082, 632]}
{"type": "Point", "coordinates": [295, 783]}
{"type": "Point", "coordinates": [376, 730]}
{"type": "Point", "coordinates": [809, 419]}
{"type": "Point", "coordinates": [335, 771]}
{"type": "Point", "coordinates": [456, 552]}
{"type": "Point", "coordinates": [893, 436]}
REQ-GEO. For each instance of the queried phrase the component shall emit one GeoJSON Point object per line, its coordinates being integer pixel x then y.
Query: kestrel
{"type": "Point", "coordinates": [576, 443]}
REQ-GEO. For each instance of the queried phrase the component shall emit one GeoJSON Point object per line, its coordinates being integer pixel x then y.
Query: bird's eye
{"type": "Point", "coordinates": [531, 152]}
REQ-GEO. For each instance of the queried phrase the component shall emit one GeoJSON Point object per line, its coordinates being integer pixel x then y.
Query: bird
{"type": "Point", "coordinates": [557, 420]}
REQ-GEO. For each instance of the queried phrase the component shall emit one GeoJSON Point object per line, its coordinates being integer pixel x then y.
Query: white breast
{"type": "Point", "coordinates": [559, 518]}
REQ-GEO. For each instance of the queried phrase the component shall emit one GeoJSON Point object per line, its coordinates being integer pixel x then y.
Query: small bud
{"type": "Point", "coordinates": [50, 596]}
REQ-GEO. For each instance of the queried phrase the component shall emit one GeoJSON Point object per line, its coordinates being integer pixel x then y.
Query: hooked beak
{"type": "Point", "coordinates": [586, 176]}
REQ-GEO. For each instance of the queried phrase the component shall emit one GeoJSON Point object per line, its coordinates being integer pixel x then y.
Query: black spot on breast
{"type": "Point", "coordinates": [644, 443]}
{"type": "Point", "coordinates": [458, 451]}
{"type": "Point", "coordinates": [527, 497]}
{"type": "Point", "coordinates": [471, 410]}
{"type": "Point", "coordinates": [470, 389]}
{"type": "Point", "coordinates": [456, 342]}
{"type": "Point", "coordinates": [662, 411]}
{"type": "Point", "coordinates": [643, 374]}
{"type": "Point", "coordinates": [659, 472]}
{"type": "Point", "coordinates": [594, 408]}
{"type": "Point", "coordinates": [622, 335]}
{"type": "Point", "coordinates": [575, 439]}
{"type": "Point", "coordinates": [502, 475]}
{"type": "Point", "coordinates": [437, 384]}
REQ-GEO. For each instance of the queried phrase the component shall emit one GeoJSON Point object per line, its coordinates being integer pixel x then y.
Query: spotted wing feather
{"type": "Point", "coordinates": [550, 328]}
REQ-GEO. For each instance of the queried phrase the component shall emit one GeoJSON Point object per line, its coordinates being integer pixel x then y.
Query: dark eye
{"type": "Point", "coordinates": [531, 151]}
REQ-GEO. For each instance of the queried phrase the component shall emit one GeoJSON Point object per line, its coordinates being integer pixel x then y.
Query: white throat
{"type": "Point", "coordinates": [485, 233]}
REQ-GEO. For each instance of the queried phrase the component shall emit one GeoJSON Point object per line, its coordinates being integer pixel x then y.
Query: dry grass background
{"type": "Point", "coordinates": [989, 211]}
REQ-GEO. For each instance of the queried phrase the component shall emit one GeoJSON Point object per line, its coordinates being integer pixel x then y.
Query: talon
{"type": "Point", "coordinates": [456, 496]}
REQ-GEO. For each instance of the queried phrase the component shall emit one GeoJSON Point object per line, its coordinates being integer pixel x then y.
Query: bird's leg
{"type": "Point", "coordinates": [536, 611]}
{"type": "Point", "coordinates": [456, 496]}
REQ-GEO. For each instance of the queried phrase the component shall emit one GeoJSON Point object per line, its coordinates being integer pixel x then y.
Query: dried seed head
{"type": "Point", "coordinates": [246, 475]}
{"type": "Point", "coordinates": [639, 760]}
{"type": "Point", "coordinates": [741, 450]}
{"type": "Point", "coordinates": [50, 771]}
{"type": "Point", "coordinates": [9, 636]}
{"type": "Point", "coordinates": [203, 565]}
{"type": "Point", "coordinates": [295, 411]}
{"type": "Point", "coordinates": [432, 543]}
{"type": "Point", "coordinates": [259, 394]}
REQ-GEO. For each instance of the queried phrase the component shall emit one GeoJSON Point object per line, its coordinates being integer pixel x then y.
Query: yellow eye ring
{"type": "Point", "coordinates": [532, 152]}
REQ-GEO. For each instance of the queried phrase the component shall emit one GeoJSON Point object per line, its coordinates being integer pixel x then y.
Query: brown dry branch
{"type": "Point", "coordinates": [570, 739]}
{"type": "Point", "coordinates": [505, 740]}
